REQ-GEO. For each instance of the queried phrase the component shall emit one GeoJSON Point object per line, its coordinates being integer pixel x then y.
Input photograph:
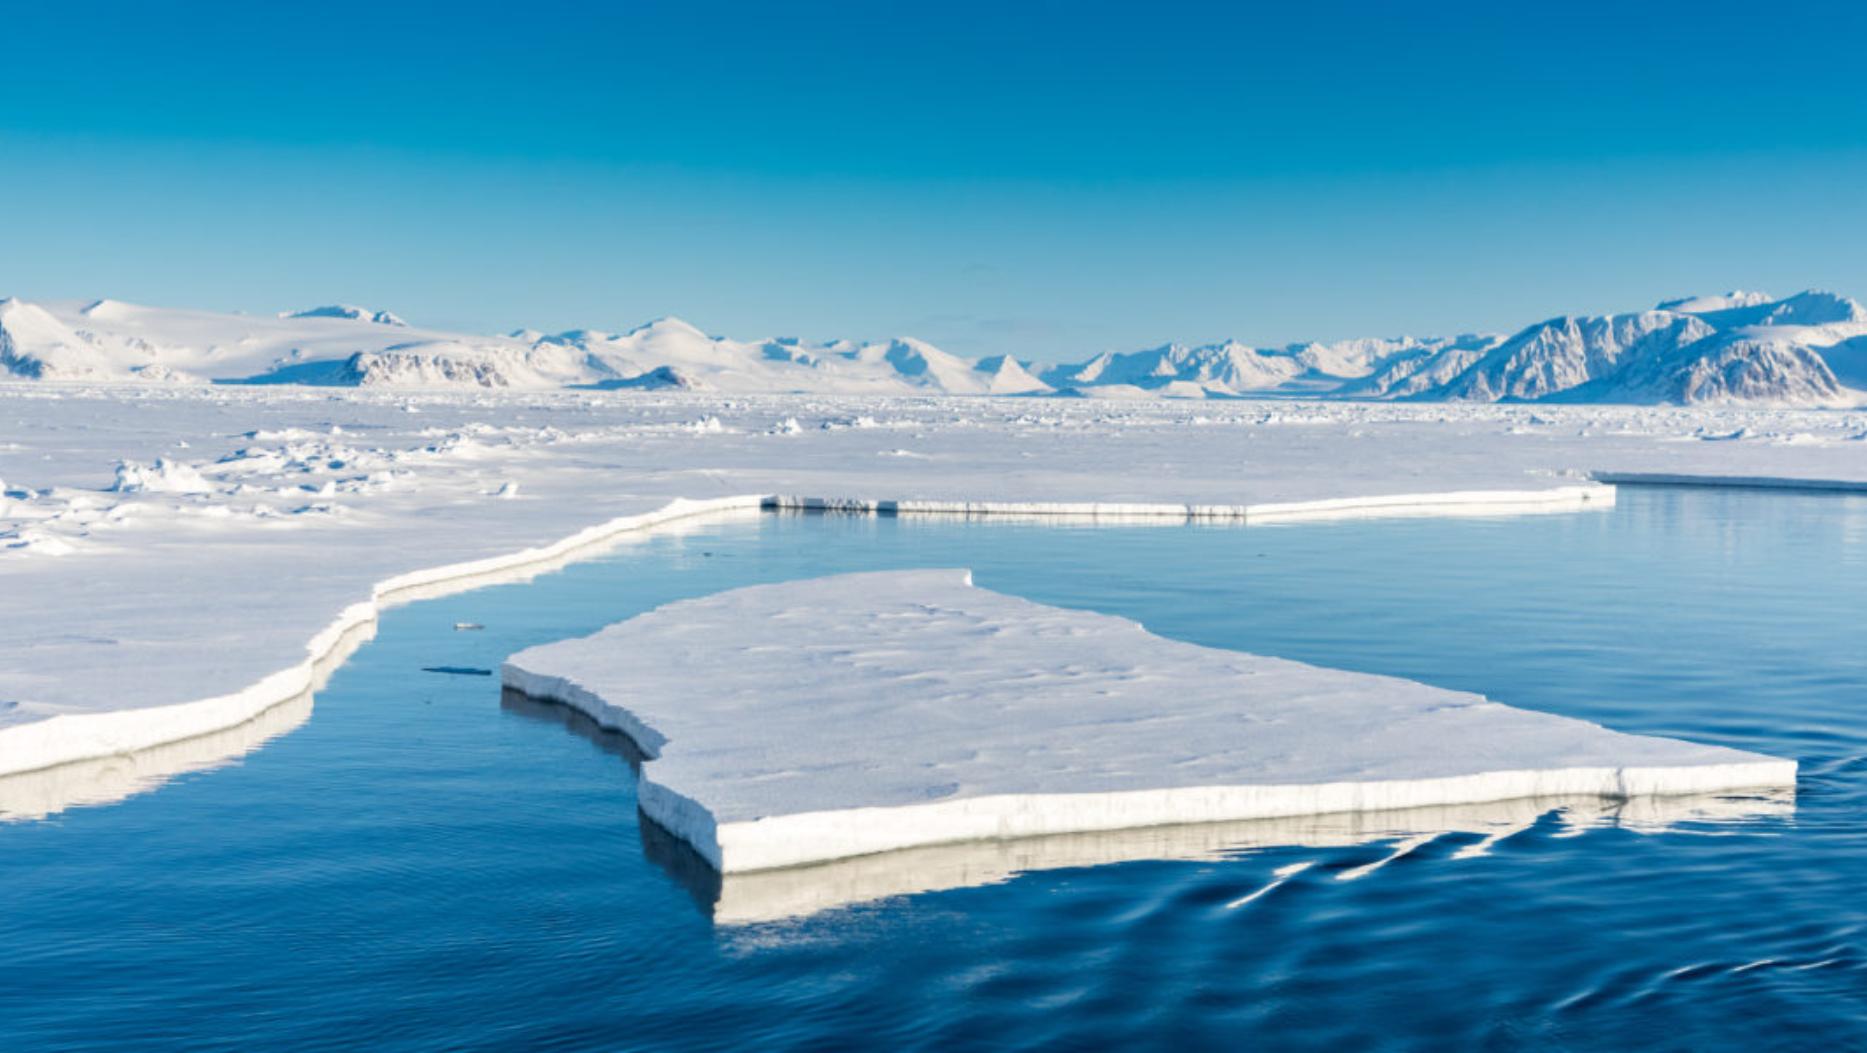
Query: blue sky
{"type": "Point", "coordinates": [1044, 179]}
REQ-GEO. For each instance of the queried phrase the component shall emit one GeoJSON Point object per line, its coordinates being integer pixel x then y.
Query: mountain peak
{"type": "Point", "coordinates": [1810, 348]}
{"type": "Point", "coordinates": [1816, 307]}
{"type": "Point", "coordinates": [669, 324]}
{"type": "Point", "coordinates": [106, 309]}
{"type": "Point", "coordinates": [343, 310]}
{"type": "Point", "coordinates": [1707, 304]}
{"type": "Point", "coordinates": [919, 347]}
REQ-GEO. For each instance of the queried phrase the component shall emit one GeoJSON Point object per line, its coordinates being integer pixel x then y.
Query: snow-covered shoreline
{"type": "Point", "coordinates": [175, 597]}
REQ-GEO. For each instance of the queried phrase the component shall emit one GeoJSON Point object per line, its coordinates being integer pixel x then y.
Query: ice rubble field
{"type": "Point", "coordinates": [176, 557]}
{"type": "Point", "coordinates": [862, 713]}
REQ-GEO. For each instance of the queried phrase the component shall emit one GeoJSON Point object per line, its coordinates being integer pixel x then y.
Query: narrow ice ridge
{"type": "Point", "coordinates": [87, 735]}
{"type": "Point", "coordinates": [811, 721]}
{"type": "Point", "coordinates": [1454, 503]}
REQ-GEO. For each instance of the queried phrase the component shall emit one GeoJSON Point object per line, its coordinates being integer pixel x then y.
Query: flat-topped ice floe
{"type": "Point", "coordinates": [756, 896]}
{"type": "Point", "coordinates": [818, 720]}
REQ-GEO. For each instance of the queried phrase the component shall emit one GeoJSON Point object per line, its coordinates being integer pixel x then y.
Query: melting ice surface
{"type": "Point", "coordinates": [428, 867]}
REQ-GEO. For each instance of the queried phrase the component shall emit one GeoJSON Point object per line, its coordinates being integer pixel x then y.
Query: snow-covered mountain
{"type": "Point", "coordinates": [1427, 366]}
{"type": "Point", "coordinates": [1807, 349]}
{"type": "Point", "coordinates": [341, 345]}
{"type": "Point", "coordinates": [1563, 353]}
{"type": "Point", "coordinates": [670, 353]}
{"type": "Point", "coordinates": [345, 310]}
{"type": "Point", "coordinates": [107, 340]}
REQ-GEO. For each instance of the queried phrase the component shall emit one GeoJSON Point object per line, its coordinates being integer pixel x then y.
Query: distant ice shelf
{"type": "Point", "coordinates": [810, 721]}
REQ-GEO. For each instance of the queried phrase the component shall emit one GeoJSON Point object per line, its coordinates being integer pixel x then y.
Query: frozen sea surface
{"type": "Point", "coordinates": [420, 866]}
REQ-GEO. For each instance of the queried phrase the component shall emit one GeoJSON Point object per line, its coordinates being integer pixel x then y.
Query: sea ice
{"type": "Point", "coordinates": [810, 721]}
{"type": "Point", "coordinates": [184, 551]}
{"type": "Point", "coordinates": [750, 897]}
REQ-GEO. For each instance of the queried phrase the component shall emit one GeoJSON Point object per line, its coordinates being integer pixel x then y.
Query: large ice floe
{"type": "Point", "coordinates": [756, 896]}
{"type": "Point", "coordinates": [793, 724]}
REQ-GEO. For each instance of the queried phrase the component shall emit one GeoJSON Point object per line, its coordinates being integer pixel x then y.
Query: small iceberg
{"type": "Point", "coordinates": [799, 723]}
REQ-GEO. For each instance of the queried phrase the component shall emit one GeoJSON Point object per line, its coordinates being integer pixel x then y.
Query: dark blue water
{"type": "Point", "coordinates": [420, 867]}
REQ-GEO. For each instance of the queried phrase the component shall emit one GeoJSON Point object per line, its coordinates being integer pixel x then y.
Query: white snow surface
{"type": "Point", "coordinates": [806, 721]}
{"type": "Point", "coordinates": [176, 556]}
{"type": "Point", "coordinates": [1809, 349]}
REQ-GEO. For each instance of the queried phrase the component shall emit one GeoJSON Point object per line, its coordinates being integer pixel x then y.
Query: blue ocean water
{"type": "Point", "coordinates": [424, 866]}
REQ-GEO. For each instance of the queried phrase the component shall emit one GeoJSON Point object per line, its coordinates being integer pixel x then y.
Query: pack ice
{"type": "Point", "coordinates": [817, 720]}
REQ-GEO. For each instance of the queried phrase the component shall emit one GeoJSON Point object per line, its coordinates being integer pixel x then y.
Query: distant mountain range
{"type": "Point", "coordinates": [1805, 350]}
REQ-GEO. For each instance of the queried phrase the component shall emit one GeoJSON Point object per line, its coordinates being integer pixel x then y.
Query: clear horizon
{"type": "Point", "coordinates": [1049, 181]}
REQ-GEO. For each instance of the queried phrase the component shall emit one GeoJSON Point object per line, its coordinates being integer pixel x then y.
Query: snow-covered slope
{"type": "Point", "coordinates": [1806, 350]}
{"type": "Point", "coordinates": [1422, 366]}
{"type": "Point", "coordinates": [1722, 369]}
{"type": "Point", "coordinates": [1228, 368]}
{"type": "Point", "coordinates": [1742, 347]}
{"type": "Point", "coordinates": [670, 353]}
{"type": "Point", "coordinates": [1741, 309]}
{"type": "Point", "coordinates": [37, 345]}
{"type": "Point", "coordinates": [1565, 352]}
{"type": "Point", "coordinates": [345, 310]}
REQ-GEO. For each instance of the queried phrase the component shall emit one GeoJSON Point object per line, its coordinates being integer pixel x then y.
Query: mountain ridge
{"type": "Point", "coordinates": [1809, 349]}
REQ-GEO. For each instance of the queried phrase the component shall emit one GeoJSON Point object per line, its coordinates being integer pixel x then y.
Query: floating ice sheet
{"type": "Point", "coordinates": [817, 720]}
{"type": "Point", "coordinates": [757, 896]}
